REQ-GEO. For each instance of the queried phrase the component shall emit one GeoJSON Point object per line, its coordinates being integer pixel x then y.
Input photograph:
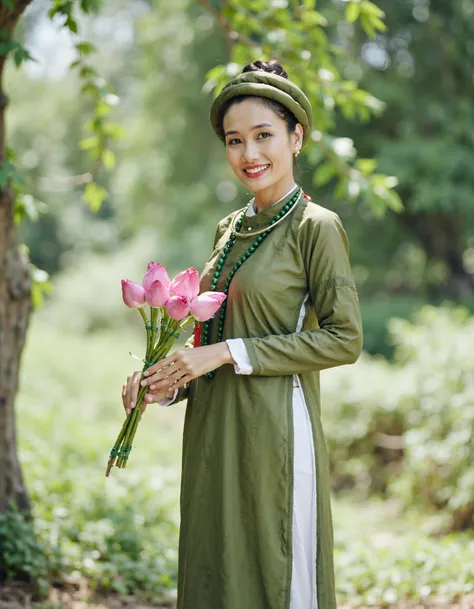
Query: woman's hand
{"type": "Point", "coordinates": [185, 365]}
{"type": "Point", "coordinates": [130, 393]}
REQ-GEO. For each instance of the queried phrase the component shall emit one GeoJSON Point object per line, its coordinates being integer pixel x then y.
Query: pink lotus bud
{"type": "Point", "coordinates": [186, 283]}
{"type": "Point", "coordinates": [157, 294]}
{"type": "Point", "coordinates": [178, 307]}
{"type": "Point", "coordinates": [133, 294]}
{"type": "Point", "coordinates": [155, 272]}
{"type": "Point", "coordinates": [206, 304]}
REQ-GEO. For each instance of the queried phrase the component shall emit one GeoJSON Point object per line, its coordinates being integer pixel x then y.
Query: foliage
{"type": "Point", "coordinates": [22, 556]}
{"type": "Point", "coordinates": [296, 34]}
{"type": "Point", "coordinates": [376, 313]}
{"type": "Point", "coordinates": [420, 68]}
{"type": "Point", "coordinates": [121, 533]}
{"type": "Point", "coordinates": [435, 353]}
{"type": "Point", "coordinates": [406, 430]}
{"type": "Point", "coordinates": [383, 559]}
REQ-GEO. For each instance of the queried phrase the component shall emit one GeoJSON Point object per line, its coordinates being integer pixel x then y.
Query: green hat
{"type": "Point", "coordinates": [271, 86]}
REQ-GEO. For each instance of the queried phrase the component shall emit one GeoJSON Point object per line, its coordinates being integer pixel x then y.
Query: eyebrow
{"type": "Point", "coordinates": [252, 128]}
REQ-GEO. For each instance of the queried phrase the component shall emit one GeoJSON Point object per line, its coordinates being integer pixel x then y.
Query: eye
{"type": "Point", "coordinates": [266, 134]}
{"type": "Point", "coordinates": [233, 141]}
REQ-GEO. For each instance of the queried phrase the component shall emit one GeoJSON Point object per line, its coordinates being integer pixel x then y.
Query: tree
{"type": "Point", "coordinates": [15, 271]}
{"type": "Point", "coordinates": [421, 67]}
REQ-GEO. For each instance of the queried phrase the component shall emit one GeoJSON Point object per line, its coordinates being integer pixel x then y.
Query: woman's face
{"type": "Point", "coordinates": [259, 148]}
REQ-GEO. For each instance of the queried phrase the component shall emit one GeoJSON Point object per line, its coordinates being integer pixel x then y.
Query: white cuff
{"type": "Point", "coordinates": [239, 354]}
{"type": "Point", "coordinates": [169, 401]}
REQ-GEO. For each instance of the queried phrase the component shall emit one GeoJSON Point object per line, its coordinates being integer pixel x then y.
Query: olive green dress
{"type": "Point", "coordinates": [235, 546]}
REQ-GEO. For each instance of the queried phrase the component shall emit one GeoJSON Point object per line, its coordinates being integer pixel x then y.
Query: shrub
{"type": "Point", "coordinates": [406, 429]}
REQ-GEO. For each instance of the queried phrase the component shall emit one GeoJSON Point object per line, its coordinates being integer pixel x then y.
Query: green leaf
{"type": "Point", "coordinates": [40, 286]}
{"type": "Point", "coordinates": [370, 7]}
{"type": "Point", "coordinates": [71, 24]}
{"type": "Point", "coordinates": [367, 26]}
{"type": "Point", "coordinates": [108, 159]}
{"type": "Point", "coordinates": [6, 47]}
{"type": "Point", "coordinates": [377, 23]}
{"type": "Point", "coordinates": [366, 166]}
{"type": "Point", "coordinates": [9, 4]}
{"type": "Point", "coordinates": [20, 55]}
{"type": "Point", "coordinates": [352, 11]}
{"type": "Point", "coordinates": [86, 48]}
{"type": "Point", "coordinates": [8, 172]}
{"type": "Point", "coordinates": [323, 174]}
{"type": "Point", "coordinates": [89, 142]}
{"type": "Point", "coordinates": [313, 18]}
{"type": "Point", "coordinates": [94, 196]}
{"type": "Point", "coordinates": [88, 72]}
{"type": "Point", "coordinates": [90, 6]}
{"type": "Point", "coordinates": [103, 109]}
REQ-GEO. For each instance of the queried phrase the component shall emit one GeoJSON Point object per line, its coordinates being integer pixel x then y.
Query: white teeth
{"type": "Point", "coordinates": [257, 169]}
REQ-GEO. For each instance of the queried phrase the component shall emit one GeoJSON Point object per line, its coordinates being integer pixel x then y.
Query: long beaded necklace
{"type": "Point", "coordinates": [262, 234]}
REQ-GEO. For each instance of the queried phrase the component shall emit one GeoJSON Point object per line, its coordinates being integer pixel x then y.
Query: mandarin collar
{"type": "Point", "coordinates": [253, 221]}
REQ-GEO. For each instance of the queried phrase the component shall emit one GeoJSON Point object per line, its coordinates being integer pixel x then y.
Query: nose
{"type": "Point", "coordinates": [249, 153]}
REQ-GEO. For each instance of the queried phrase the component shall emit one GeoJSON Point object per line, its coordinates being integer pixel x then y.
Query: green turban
{"type": "Point", "coordinates": [271, 86]}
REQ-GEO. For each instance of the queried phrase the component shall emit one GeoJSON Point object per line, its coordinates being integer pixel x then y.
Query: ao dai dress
{"type": "Point", "coordinates": [256, 526]}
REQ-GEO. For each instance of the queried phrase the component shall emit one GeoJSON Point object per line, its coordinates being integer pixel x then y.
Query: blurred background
{"type": "Point", "coordinates": [392, 153]}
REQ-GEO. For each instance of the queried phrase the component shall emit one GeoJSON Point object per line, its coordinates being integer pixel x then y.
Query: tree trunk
{"type": "Point", "coordinates": [440, 234]}
{"type": "Point", "coordinates": [15, 306]}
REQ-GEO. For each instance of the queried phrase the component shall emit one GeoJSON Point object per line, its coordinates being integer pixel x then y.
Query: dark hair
{"type": "Point", "coordinates": [272, 67]}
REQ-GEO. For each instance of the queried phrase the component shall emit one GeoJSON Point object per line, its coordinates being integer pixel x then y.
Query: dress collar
{"type": "Point", "coordinates": [252, 211]}
{"type": "Point", "coordinates": [252, 221]}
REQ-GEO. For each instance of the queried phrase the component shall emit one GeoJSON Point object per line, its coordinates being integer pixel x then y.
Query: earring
{"type": "Point", "coordinates": [297, 153]}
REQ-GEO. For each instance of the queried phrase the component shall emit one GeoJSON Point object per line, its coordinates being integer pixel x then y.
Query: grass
{"type": "Point", "coordinates": [120, 534]}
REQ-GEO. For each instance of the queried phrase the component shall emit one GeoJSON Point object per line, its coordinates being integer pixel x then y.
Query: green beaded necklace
{"type": "Point", "coordinates": [223, 257]}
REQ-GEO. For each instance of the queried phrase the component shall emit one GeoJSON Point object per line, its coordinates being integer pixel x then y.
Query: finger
{"type": "Point", "coordinates": [165, 382]}
{"type": "Point", "coordinates": [166, 361]}
{"type": "Point", "coordinates": [154, 398]}
{"type": "Point", "coordinates": [182, 381]}
{"type": "Point", "coordinates": [159, 376]}
{"type": "Point", "coordinates": [135, 387]}
{"type": "Point", "coordinates": [160, 386]}
{"type": "Point", "coordinates": [128, 393]}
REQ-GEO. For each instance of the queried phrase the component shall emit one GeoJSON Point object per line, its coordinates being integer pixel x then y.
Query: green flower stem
{"type": "Point", "coordinates": [154, 333]}
{"type": "Point", "coordinates": [148, 332]}
{"type": "Point", "coordinates": [186, 322]}
{"type": "Point", "coordinates": [169, 327]}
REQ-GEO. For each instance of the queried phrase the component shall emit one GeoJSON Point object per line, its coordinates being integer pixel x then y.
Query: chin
{"type": "Point", "coordinates": [259, 185]}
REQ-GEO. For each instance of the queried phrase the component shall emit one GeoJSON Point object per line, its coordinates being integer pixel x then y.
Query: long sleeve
{"type": "Point", "coordinates": [239, 355]}
{"type": "Point", "coordinates": [338, 339]}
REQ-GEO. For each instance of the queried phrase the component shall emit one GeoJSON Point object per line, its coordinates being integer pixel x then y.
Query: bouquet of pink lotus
{"type": "Point", "coordinates": [173, 305]}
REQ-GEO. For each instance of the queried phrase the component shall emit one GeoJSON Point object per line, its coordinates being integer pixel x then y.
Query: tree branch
{"type": "Point", "coordinates": [226, 25]}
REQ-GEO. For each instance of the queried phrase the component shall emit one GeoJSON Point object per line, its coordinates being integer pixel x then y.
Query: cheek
{"type": "Point", "coordinates": [280, 155]}
{"type": "Point", "coordinates": [232, 158]}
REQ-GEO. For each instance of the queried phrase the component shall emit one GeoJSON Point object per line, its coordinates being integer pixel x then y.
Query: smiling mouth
{"type": "Point", "coordinates": [257, 171]}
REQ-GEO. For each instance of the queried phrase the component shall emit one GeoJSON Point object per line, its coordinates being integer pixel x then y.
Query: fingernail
{"type": "Point", "coordinates": [143, 383]}
{"type": "Point", "coordinates": [152, 386]}
{"type": "Point", "coordinates": [132, 404]}
{"type": "Point", "coordinates": [128, 411]}
{"type": "Point", "coordinates": [146, 373]}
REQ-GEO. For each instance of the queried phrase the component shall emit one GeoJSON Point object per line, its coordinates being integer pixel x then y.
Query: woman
{"type": "Point", "coordinates": [256, 527]}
